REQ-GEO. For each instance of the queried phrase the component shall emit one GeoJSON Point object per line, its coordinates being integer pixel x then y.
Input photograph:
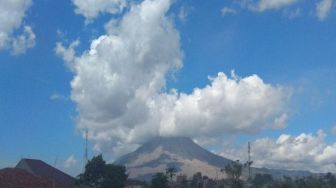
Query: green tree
{"type": "Point", "coordinates": [99, 174]}
{"type": "Point", "coordinates": [261, 180]}
{"type": "Point", "coordinates": [183, 184]}
{"type": "Point", "coordinates": [234, 171]}
{"type": "Point", "coordinates": [93, 174]}
{"type": "Point", "coordinates": [160, 180]}
{"type": "Point", "coordinates": [197, 181]}
{"type": "Point", "coordinates": [330, 180]}
{"type": "Point", "coordinates": [115, 176]}
{"type": "Point", "coordinates": [171, 172]}
{"type": "Point", "coordinates": [324, 181]}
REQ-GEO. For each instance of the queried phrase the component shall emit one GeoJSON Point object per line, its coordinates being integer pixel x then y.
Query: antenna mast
{"type": "Point", "coordinates": [249, 159]}
{"type": "Point", "coordinates": [86, 148]}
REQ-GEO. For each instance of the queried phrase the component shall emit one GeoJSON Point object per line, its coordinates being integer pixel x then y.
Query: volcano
{"type": "Point", "coordinates": [186, 157]}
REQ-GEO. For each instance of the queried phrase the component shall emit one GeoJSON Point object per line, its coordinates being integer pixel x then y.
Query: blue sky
{"type": "Point", "coordinates": [38, 118]}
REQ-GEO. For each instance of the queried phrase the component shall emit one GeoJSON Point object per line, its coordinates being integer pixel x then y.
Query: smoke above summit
{"type": "Point", "coordinates": [118, 87]}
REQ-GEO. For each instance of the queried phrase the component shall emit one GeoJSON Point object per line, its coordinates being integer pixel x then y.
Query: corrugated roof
{"type": "Point", "coordinates": [42, 169]}
{"type": "Point", "coordinates": [18, 178]}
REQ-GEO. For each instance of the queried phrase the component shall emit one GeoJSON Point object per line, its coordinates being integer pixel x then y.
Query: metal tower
{"type": "Point", "coordinates": [86, 146]}
{"type": "Point", "coordinates": [86, 159]}
{"type": "Point", "coordinates": [249, 159]}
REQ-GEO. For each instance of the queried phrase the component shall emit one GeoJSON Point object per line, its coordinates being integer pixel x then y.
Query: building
{"type": "Point", "coordinates": [18, 178]}
{"type": "Point", "coordinates": [43, 170]}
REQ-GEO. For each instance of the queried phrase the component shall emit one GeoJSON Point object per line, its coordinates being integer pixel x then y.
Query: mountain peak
{"type": "Point", "coordinates": [167, 143]}
{"type": "Point", "coordinates": [178, 152]}
{"type": "Point", "coordinates": [185, 156]}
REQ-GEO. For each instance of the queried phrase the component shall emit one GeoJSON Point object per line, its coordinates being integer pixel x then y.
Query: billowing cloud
{"type": "Point", "coordinates": [301, 152]}
{"type": "Point", "coordinates": [119, 87]}
{"type": "Point", "coordinates": [90, 9]}
{"type": "Point", "coordinates": [228, 104]}
{"type": "Point", "coordinates": [11, 16]}
{"type": "Point", "coordinates": [323, 8]}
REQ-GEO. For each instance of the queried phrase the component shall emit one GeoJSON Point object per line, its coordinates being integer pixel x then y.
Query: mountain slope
{"type": "Point", "coordinates": [185, 156]}
{"type": "Point", "coordinates": [178, 152]}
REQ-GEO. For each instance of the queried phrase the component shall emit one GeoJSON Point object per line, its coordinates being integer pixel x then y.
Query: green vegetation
{"type": "Point", "coordinates": [234, 180]}
{"type": "Point", "coordinates": [234, 171]}
{"type": "Point", "coordinates": [99, 174]}
{"type": "Point", "coordinates": [171, 173]}
{"type": "Point", "coordinates": [262, 180]}
{"type": "Point", "coordinates": [160, 180]}
{"type": "Point", "coordinates": [325, 181]}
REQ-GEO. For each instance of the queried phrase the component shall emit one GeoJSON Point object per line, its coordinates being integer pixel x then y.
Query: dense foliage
{"type": "Point", "coordinates": [234, 180]}
{"type": "Point", "coordinates": [160, 180]}
{"type": "Point", "coordinates": [99, 174]}
{"type": "Point", "coordinates": [326, 181]}
{"type": "Point", "coordinates": [234, 171]}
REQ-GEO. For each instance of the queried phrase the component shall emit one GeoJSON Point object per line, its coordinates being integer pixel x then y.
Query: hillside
{"type": "Point", "coordinates": [184, 155]}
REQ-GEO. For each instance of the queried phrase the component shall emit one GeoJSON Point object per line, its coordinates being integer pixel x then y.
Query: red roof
{"type": "Point", "coordinates": [18, 178]}
{"type": "Point", "coordinates": [44, 170]}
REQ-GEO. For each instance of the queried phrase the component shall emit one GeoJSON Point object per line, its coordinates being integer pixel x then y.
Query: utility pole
{"type": "Point", "coordinates": [249, 159]}
{"type": "Point", "coordinates": [86, 159]}
{"type": "Point", "coordinates": [86, 145]}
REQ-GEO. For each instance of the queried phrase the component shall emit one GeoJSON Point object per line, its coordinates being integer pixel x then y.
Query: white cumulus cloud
{"type": "Point", "coordinates": [323, 8]}
{"type": "Point", "coordinates": [302, 152]}
{"type": "Point", "coordinates": [12, 13]}
{"type": "Point", "coordinates": [90, 9]}
{"type": "Point", "coordinates": [119, 87]}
